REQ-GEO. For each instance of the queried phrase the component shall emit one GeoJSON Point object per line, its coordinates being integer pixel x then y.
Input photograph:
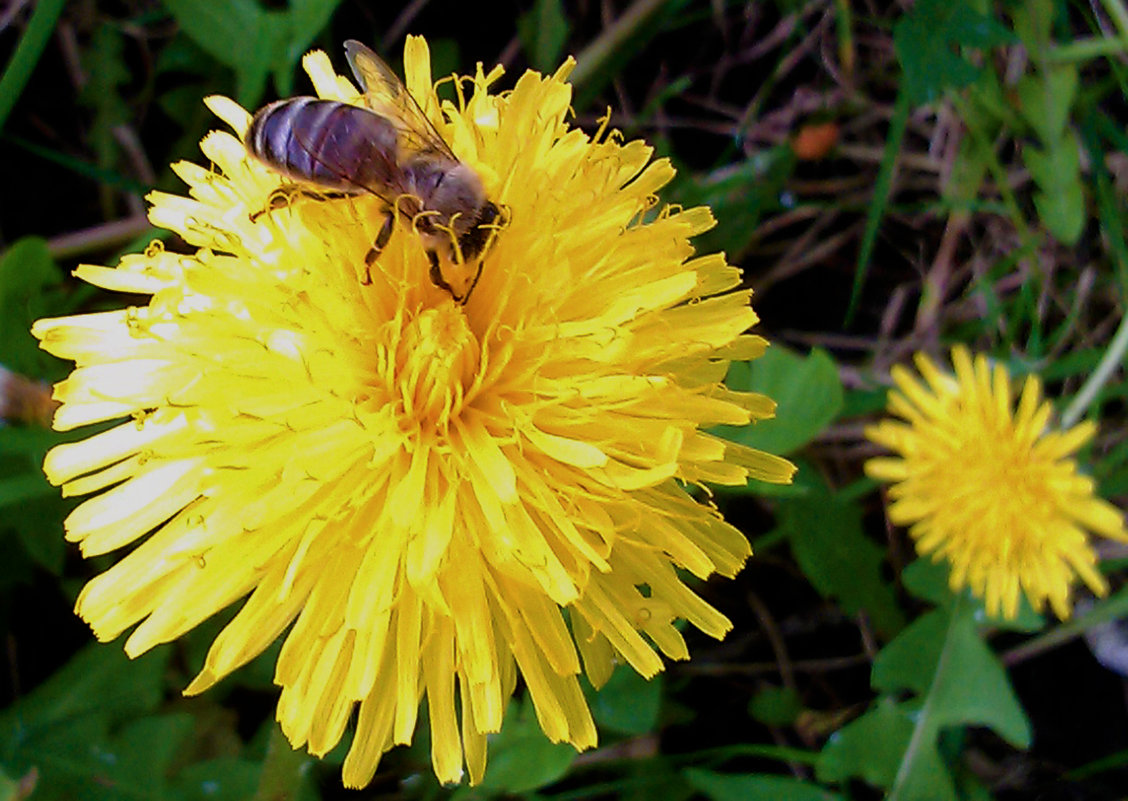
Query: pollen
{"type": "Point", "coordinates": [430, 365]}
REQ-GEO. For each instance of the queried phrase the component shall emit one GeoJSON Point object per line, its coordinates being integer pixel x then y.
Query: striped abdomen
{"type": "Point", "coordinates": [326, 142]}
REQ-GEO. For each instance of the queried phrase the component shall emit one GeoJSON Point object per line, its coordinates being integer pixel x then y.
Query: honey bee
{"type": "Point", "coordinates": [388, 148]}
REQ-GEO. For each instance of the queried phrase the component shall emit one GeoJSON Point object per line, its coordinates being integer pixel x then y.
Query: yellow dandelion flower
{"type": "Point", "coordinates": [429, 498]}
{"type": "Point", "coordinates": [987, 486]}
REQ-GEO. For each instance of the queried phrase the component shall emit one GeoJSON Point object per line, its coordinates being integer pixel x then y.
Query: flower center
{"type": "Point", "coordinates": [436, 360]}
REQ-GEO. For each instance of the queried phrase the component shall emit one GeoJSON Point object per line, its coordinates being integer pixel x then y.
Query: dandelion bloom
{"type": "Point", "coordinates": [434, 498]}
{"type": "Point", "coordinates": [987, 486]}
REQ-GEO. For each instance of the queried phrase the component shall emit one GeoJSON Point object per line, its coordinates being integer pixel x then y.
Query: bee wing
{"type": "Point", "coordinates": [386, 94]}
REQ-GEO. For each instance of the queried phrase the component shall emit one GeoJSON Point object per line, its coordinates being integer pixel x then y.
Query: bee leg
{"type": "Point", "coordinates": [279, 199]}
{"type": "Point", "coordinates": [473, 284]}
{"type": "Point", "coordinates": [437, 275]}
{"type": "Point", "coordinates": [283, 196]}
{"type": "Point", "coordinates": [377, 248]}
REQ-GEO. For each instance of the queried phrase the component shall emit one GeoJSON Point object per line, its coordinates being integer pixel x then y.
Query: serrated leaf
{"type": "Point", "coordinates": [830, 545]}
{"type": "Point", "coordinates": [807, 392]}
{"type": "Point", "coordinates": [1063, 212]}
{"type": "Point", "coordinates": [753, 786]}
{"type": "Point", "coordinates": [253, 41]}
{"type": "Point", "coordinates": [1046, 98]}
{"type": "Point", "coordinates": [927, 42]}
{"type": "Point", "coordinates": [628, 703]}
{"type": "Point", "coordinates": [1055, 167]}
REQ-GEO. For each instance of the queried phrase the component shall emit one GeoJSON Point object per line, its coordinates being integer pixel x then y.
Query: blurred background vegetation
{"type": "Point", "coordinates": [891, 177]}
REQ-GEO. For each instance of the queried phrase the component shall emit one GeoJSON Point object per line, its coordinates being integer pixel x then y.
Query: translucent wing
{"type": "Point", "coordinates": [386, 95]}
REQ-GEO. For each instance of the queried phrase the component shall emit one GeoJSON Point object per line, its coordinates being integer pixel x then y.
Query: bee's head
{"type": "Point", "coordinates": [474, 239]}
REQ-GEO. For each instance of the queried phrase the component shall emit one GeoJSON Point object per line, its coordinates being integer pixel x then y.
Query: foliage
{"type": "Point", "coordinates": [966, 184]}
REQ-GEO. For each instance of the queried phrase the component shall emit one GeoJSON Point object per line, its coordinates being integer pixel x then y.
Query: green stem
{"type": "Point", "coordinates": [1109, 364]}
{"type": "Point", "coordinates": [1119, 15]}
{"type": "Point", "coordinates": [1082, 50]}
{"type": "Point", "coordinates": [924, 729]}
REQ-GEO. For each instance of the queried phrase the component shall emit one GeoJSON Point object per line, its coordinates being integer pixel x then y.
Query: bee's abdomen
{"type": "Point", "coordinates": [325, 142]}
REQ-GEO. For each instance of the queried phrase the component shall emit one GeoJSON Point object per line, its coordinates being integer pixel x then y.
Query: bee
{"type": "Point", "coordinates": [388, 148]}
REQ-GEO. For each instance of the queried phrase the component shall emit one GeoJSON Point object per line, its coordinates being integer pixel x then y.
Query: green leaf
{"type": "Point", "coordinates": [1061, 199]}
{"type": "Point", "coordinates": [942, 654]}
{"type": "Point", "coordinates": [926, 42]}
{"type": "Point", "coordinates": [1057, 168]}
{"type": "Point", "coordinates": [628, 703]}
{"type": "Point", "coordinates": [958, 681]}
{"type": "Point", "coordinates": [776, 706]}
{"type": "Point", "coordinates": [869, 748]}
{"type": "Point", "coordinates": [829, 543]}
{"type": "Point", "coordinates": [27, 272]}
{"type": "Point", "coordinates": [99, 679]}
{"type": "Point", "coordinates": [1033, 20]}
{"type": "Point", "coordinates": [32, 508]}
{"type": "Point", "coordinates": [942, 657]}
{"type": "Point", "coordinates": [25, 487]}
{"type": "Point", "coordinates": [1045, 100]}
{"type": "Point", "coordinates": [253, 41]}
{"type": "Point", "coordinates": [544, 31]}
{"type": "Point", "coordinates": [928, 580]}
{"type": "Point", "coordinates": [80, 727]}
{"type": "Point", "coordinates": [807, 392]}
{"type": "Point", "coordinates": [522, 758]}
{"type": "Point", "coordinates": [1063, 212]}
{"type": "Point", "coordinates": [305, 22]}
{"type": "Point", "coordinates": [223, 779]}
{"type": "Point", "coordinates": [753, 786]}
{"type": "Point", "coordinates": [738, 195]}
{"type": "Point", "coordinates": [132, 763]}
{"type": "Point", "coordinates": [909, 662]}
{"type": "Point", "coordinates": [146, 748]}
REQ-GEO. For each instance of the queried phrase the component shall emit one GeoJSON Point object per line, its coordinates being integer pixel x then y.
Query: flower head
{"type": "Point", "coordinates": [989, 488]}
{"type": "Point", "coordinates": [429, 498]}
